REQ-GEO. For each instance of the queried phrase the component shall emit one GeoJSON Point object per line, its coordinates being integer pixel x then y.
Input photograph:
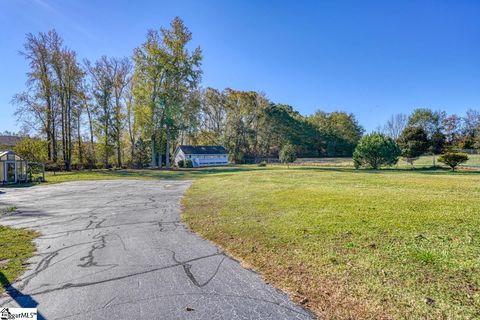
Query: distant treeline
{"type": "Point", "coordinates": [249, 126]}
{"type": "Point", "coordinates": [438, 130]}
{"type": "Point", "coordinates": [134, 111]}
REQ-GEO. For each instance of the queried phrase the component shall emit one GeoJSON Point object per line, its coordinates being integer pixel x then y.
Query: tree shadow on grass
{"type": "Point", "coordinates": [23, 300]}
{"type": "Point", "coordinates": [168, 174]}
{"type": "Point", "coordinates": [185, 173]}
{"type": "Point", "coordinates": [161, 174]}
{"type": "Point", "coordinates": [423, 170]}
{"type": "Point", "coordinates": [193, 173]}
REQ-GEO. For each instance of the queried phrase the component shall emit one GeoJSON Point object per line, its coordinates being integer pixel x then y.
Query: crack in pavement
{"type": "Point", "coordinates": [89, 258]}
{"type": "Point", "coordinates": [67, 232]}
{"type": "Point", "coordinates": [187, 268]}
{"type": "Point", "coordinates": [86, 284]}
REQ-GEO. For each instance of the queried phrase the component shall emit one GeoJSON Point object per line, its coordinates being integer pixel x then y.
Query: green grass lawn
{"type": "Point", "coordinates": [189, 174]}
{"type": "Point", "coordinates": [16, 246]}
{"type": "Point", "coordinates": [427, 161]}
{"type": "Point", "coordinates": [422, 162]}
{"type": "Point", "coordinates": [351, 244]}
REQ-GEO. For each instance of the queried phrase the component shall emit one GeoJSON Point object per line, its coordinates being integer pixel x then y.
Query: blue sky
{"type": "Point", "coordinates": [372, 58]}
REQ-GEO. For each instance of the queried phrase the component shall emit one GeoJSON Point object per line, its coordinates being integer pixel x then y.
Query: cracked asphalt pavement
{"type": "Point", "coordinates": [117, 250]}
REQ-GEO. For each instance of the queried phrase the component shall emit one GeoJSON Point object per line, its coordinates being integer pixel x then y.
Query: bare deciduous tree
{"type": "Point", "coordinates": [395, 125]}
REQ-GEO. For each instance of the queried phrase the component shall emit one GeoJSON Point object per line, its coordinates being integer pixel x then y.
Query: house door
{"type": "Point", "coordinates": [10, 170]}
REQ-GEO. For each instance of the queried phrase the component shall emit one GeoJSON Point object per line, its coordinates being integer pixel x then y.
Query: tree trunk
{"type": "Point", "coordinates": [131, 134]}
{"type": "Point", "coordinates": [79, 138]}
{"type": "Point", "coordinates": [54, 142]}
{"type": "Point", "coordinates": [62, 123]}
{"type": "Point", "coordinates": [118, 129]}
{"type": "Point", "coordinates": [119, 151]}
{"type": "Point", "coordinates": [132, 141]}
{"type": "Point", "coordinates": [167, 149]}
{"type": "Point", "coordinates": [106, 125]}
{"type": "Point", "coordinates": [92, 146]}
{"type": "Point", "coordinates": [49, 130]}
{"type": "Point", "coordinates": [118, 136]}
{"type": "Point", "coordinates": [105, 157]}
{"type": "Point", "coordinates": [49, 142]}
{"type": "Point", "coordinates": [68, 131]}
{"type": "Point", "coordinates": [154, 153]}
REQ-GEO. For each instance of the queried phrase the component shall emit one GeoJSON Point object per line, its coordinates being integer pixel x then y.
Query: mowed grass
{"type": "Point", "coordinates": [422, 162]}
{"type": "Point", "coordinates": [351, 244]}
{"type": "Point", "coordinates": [427, 161]}
{"type": "Point", "coordinates": [16, 247]}
{"type": "Point", "coordinates": [143, 174]}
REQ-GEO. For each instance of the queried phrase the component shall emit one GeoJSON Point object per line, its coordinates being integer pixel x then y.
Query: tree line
{"type": "Point", "coordinates": [433, 132]}
{"type": "Point", "coordinates": [134, 111]}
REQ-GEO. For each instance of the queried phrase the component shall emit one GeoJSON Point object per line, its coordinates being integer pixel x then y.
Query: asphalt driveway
{"type": "Point", "coordinates": [116, 250]}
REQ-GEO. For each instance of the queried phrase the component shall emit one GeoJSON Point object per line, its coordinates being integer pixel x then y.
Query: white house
{"type": "Point", "coordinates": [202, 156]}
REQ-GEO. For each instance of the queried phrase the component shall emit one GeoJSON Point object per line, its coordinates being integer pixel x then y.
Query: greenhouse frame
{"type": "Point", "coordinates": [13, 169]}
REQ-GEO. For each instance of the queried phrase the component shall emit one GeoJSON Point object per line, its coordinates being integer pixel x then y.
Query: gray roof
{"type": "Point", "coordinates": [9, 141]}
{"type": "Point", "coordinates": [4, 152]}
{"type": "Point", "coordinates": [203, 149]}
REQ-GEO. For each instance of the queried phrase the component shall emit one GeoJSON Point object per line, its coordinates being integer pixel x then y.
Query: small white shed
{"type": "Point", "coordinates": [202, 156]}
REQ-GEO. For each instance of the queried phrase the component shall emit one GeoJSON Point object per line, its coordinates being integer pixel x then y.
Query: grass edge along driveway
{"type": "Point", "coordinates": [351, 244]}
{"type": "Point", "coordinates": [16, 247]}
